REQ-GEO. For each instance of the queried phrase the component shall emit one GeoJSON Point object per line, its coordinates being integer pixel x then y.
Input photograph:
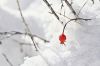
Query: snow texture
{"type": "Point", "coordinates": [82, 44]}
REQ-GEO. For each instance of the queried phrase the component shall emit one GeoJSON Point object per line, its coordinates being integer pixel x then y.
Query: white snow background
{"type": "Point", "coordinates": [82, 44]}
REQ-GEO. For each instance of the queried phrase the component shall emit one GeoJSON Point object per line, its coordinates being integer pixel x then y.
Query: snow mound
{"type": "Point", "coordinates": [45, 58]}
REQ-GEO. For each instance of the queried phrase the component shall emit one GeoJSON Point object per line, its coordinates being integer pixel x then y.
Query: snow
{"type": "Point", "coordinates": [82, 44]}
{"type": "Point", "coordinates": [46, 58]}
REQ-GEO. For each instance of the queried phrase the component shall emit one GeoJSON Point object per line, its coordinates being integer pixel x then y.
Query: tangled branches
{"type": "Point", "coordinates": [13, 33]}
{"type": "Point", "coordinates": [4, 35]}
{"type": "Point", "coordinates": [71, 9]}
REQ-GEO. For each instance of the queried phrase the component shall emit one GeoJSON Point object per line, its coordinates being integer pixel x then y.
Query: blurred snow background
{"type": "Point", "coordinates": [82, 46]}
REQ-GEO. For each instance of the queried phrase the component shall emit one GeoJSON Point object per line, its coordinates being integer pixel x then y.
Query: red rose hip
{"type": "Point", "coordinates": [62, 38]}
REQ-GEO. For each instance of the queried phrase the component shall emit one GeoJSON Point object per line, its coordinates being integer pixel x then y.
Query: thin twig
{"type": "Point", "coordinates": [82, 7]}
{"type": "Point", "coordinates": [21, 43]}
{"type": "Point", "coordinates": [61, 6]}
{"type": "Point", "coordinates": [71, 2]}
{"type": "Point", "coordinates": [92, 1]}
{"type": "Point", "coordinates": [50, 7]}
{"type": "Point", "coordinates": [71, 8]}
{"type": "Point", "coordinates": [28, 30]}
{"type": "Point", "coordinates": [24, 22]}
{"type": "Point", "coordinates": [74, 20]}
{"type": "Point", "coordinates": [9, 34]}
{"type": "Point", "coordinates": [12, 33]}
{"type": "Point", "coordinates": [64, 15]}
{"type": "Point", "coordinates": [52, 10]}
{"type": "Point", "coordinates": [7, 59]}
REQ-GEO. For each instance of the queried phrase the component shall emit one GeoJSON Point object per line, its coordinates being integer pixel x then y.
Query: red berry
{"type": "Point", "coordinates": [62, 38]}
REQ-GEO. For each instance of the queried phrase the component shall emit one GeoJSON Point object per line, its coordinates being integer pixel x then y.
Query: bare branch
{"type": "Point", "coordinates": [74, 20]}
{"type": "Point", "coordinates": [22, 43]}
{"type": "Point", "coordinates": [50, 7]}
{"type": "Point", "coordinates": [71, 8]}
{"type": "Point", "coordinates": [7, 59]}
{"type": "Point", "coordinates": [92, 1]}
{"type": "Point", "coordinates": [71, 2]}
{"type": "Point", "coordinates": [8, 34]}
{"type": "Point", "coordinates": [62, 4]}
{"type": "Point", "coordinates": [12, 33]}
{"type": "Point", "coordinates": [28, 30]}
{"type": "Point", "coordinates": [82, 7]}
{"type": "Point", "coordinates": [82, 19]}
{"type": "Point", "coordinates": [24, 22]}
{"type": "Point", "coordinates": [0, 42]}
{"type": "Point", "coordinates": [64, 16]}
{"type": "Point", "coordinates": [52, 10]}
